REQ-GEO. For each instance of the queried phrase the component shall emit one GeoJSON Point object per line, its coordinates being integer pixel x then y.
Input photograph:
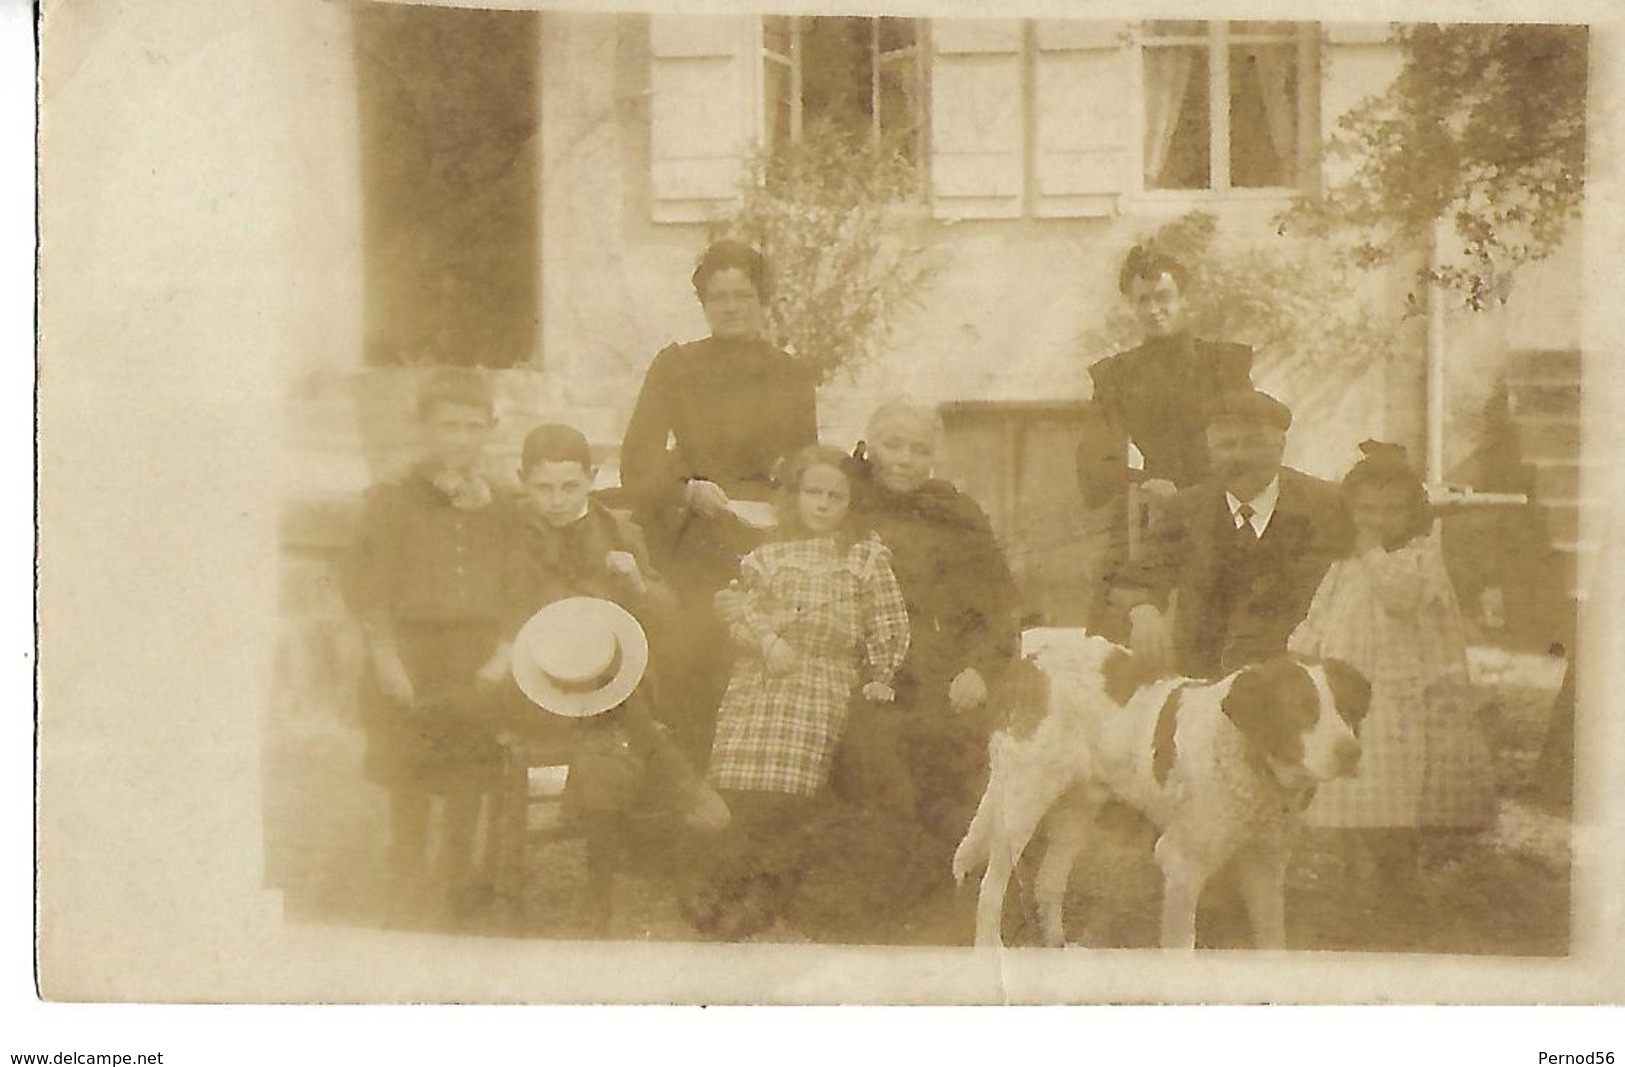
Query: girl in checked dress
{"type": "Point", "coordinates": [817, 616]}
{"type": "Point", "coordinates": [1390, 610]}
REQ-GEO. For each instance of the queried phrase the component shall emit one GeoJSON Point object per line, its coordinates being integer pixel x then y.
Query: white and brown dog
{"type": "Point", "coordinates": [1222, 769]}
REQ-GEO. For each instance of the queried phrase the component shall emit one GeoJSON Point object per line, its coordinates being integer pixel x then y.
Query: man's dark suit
{"type": "Point", "coordinates": [1237, 601]}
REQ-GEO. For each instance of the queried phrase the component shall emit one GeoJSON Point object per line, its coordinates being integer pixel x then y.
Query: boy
{"type": "Point", "coordinates": [568, 547]}
{"type": "Point", "coordinates": [430, 594]}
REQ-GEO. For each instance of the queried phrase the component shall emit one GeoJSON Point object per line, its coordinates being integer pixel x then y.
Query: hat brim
{"type": "Point", "coordinates": [573, 613]}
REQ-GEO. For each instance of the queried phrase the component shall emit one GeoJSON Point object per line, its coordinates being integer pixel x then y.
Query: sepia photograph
{"type": "Point", "coordinates": [740, 504]}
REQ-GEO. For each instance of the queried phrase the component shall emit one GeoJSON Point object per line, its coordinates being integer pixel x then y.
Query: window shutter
{"type": "Point", "coordinates": [1082, 96]}
{"type": "Point", "coordinates": [702, 118]}
{"type": "Point", "coordinates": [976, 118]}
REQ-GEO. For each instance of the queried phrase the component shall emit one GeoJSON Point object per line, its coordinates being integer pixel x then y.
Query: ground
{"type": "Point", "coordinates": [1503, 892]}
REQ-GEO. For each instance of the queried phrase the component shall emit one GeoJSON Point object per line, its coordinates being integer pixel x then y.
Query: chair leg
{"type": "Point", "coordinates": [508, 848]}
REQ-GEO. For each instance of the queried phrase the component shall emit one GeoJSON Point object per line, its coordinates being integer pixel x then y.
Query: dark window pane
{"type": "Point", "coordinates": [836, 73]}
{"type": "Point", "coordinates": [900, 107]}
{"type": "Point", "coordinates": [1173, 28]}
{"type": "Point", "coordinates": [776, 33]}
{"type": "Point", "coordinates": [1256, 29]}
{"type": "Point", "coordinates": [896, 34]}
{"type": "Point", "coordinates": [1177, 131]}
{"type": "Point", "coordinates": [1263, 116]}
{"type": "Point", "coordinates": [776, 78]}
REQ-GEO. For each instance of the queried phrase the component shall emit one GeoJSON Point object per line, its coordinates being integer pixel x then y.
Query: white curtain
{"type": "Point", "coordinates": [1167, 75]}
{"type": "Point", "coordinates": [1274, 66]}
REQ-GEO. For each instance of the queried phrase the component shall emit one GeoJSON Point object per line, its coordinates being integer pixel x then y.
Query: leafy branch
{"type": "Point", "coordinates": [1290, 300]}
{"type": "Point", "coordinates": [825, 210]}
{"type": "Point", "coordinates": [1484, 128]}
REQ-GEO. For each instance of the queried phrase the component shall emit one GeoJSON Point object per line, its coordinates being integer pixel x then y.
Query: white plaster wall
{"type": "Point", "coordinates": [1002, 317]}
{"type": "Point", "coordinates": [193, 213]}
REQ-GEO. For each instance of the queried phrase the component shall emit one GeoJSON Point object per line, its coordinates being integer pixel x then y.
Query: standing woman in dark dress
{"type": "Point", "coordinates": [713, 420]}
{"type": "Point", "coordinates": [1156, 396]}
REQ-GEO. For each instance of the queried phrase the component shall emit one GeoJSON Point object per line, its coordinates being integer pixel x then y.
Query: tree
{"type": "Point", "coordinates": [825, 211]}
{"type": "Point", "coordinates": [1294, 304]}
{"type": "Point", "coordinates": [1484, 128]}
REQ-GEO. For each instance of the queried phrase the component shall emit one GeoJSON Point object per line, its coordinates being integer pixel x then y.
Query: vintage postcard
{"type": "Point", "coordinates": [889, 503]}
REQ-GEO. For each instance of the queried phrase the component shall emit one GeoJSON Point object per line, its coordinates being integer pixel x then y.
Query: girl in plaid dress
{"type": "Point", "coordinates": [817, 614]}
{"type": "Point", "coordinates": [1390, 610]}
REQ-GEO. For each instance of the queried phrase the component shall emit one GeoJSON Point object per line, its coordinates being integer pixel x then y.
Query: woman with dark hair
{"type": "Point", "coordinates": [713, 419]}
{"type": "Point", "coordinates": [1157, 397]}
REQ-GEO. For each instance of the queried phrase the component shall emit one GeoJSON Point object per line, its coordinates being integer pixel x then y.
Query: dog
{"type": "Point", "coordinates": [1223, 771]}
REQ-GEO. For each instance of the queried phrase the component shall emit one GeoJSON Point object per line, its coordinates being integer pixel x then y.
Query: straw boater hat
{"type": "Point", "coordinates": [580, 657]}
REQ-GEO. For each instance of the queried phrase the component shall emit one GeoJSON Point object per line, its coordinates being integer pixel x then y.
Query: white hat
{"type": "Point", "coordinates": [580, 657]}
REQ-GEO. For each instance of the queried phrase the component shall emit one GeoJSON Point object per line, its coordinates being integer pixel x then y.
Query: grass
{"type": "Point", "coordinates": [1502, 892]}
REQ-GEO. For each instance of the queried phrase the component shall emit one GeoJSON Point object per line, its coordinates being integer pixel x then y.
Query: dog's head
{"type": "Point", "coordinates": [1301, 716]}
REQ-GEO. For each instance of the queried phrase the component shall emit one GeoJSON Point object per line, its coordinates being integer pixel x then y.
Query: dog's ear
{"type": "Point", "coordinates": [1350, 691]}
{"type": "Point", "coordinates": [1272, 704]}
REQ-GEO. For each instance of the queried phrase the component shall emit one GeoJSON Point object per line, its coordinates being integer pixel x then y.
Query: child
{"type": "Point", "coordinates": [581, 661]}
{"type": "Point", "coordinates": [1390, 611]}
{"type": "Point", "coordinates": [818, 612]}
{"type": "Point", "coordinates": [571, 549]}
{"type": "Point", "coordinates": [570, 545]}
{"type": "Point", "coordinates": [430, 594]}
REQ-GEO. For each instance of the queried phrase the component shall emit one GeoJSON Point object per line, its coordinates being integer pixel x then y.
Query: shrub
{"type": "Point", "coordinates": [1292, 301]}
{"type": "Point", "coordinates": [828, 213]}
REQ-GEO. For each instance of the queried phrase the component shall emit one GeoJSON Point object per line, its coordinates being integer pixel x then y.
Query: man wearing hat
{"type": "Point", "coordinates": [579, 663]}
{"type": "Point", "coordinates": [1235, 559]}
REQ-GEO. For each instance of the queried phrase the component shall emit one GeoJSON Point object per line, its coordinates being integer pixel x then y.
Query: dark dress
{"type": "Point", "coordinates": [433, 577]}
{"type": "Point", "coordinates": [910, 773]}
{"type": "Point", "coordinates": [1157, 396]}
{"type": "Point", "coordinates": [726, 412]}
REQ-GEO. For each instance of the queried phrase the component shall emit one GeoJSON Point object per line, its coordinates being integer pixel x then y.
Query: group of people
{"type": "Point", "coordinates": [796, 651]}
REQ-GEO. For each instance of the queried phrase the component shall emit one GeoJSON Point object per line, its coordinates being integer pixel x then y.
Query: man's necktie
{"type": "Point", "coordinates": [1245, 513]}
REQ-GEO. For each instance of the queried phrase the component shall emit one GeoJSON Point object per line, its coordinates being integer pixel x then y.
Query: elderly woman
{"type": "Point", "coordinates": [910, 772]}
{"type": "Point", "coordinates": [712, 421]}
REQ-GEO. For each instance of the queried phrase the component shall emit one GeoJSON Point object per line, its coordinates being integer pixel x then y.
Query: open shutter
{"type": "Point", "coordinates": [703, 86]}
{"type": "Point", "coordinates": [1083, 127]}
{"type": "Point", "coordinates": [976, 118]}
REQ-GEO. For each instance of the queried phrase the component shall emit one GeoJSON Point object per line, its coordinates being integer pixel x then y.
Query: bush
{"type": "Point", "coordinates": [826, 211]}
{"type": "Point", "coordinates": [1290, 300]}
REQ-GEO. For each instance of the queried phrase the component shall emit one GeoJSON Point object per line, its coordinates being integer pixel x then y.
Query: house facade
{"type": "Point", "coordinates": [529, 190]}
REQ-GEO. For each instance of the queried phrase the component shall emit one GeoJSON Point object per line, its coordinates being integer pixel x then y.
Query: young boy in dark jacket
{"type": "Point", "coordinates": [621, 760]}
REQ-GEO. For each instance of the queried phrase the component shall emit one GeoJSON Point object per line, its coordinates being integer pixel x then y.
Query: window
{"type": "Point", "coordinates": [863, 76]}
{"type": "Point", "coordinates": [1002, 118]}
{"type": "Point", "coordinates": [1223, 105]}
